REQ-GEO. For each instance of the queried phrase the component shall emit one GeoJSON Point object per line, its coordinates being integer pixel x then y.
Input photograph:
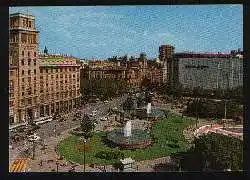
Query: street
{"type": "Point", "coordinates": [55, 127]}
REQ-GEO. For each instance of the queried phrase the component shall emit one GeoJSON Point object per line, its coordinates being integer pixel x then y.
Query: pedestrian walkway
{"type": "Point", "coordinates": [19, 165]}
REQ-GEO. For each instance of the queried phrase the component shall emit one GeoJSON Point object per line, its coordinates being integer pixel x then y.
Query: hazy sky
{"type": "Point", "coordinates": [104, 31]}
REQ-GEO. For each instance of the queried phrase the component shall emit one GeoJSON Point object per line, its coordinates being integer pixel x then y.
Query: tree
{"type": "Point", "coordinates": [87, 126]}
{"type": "Point", "coordinates": [213, 151]}
{"type": "Point", "coordinates": [145, 83]}
{"type": "Point", "coordinates": [129, 104]}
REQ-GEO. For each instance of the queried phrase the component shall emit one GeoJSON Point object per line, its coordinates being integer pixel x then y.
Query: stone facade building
{"type": "Point", "coordinates": [132, 71]}
{"type": "Point", "coordinates": [25, 66]}
{"type": "Point", "coordinates": [59, 84]}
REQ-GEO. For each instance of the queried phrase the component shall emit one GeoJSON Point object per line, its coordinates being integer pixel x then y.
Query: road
{"type": "Point", "coordinates": [47, 130]}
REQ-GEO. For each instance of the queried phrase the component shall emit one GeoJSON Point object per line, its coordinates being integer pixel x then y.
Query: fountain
{"type": "Point", "coordinates": [127, 129]}
{"type": "Point", "coordinates": [149, 108]}
{"type": "Point", "coordinates": [128, 138]}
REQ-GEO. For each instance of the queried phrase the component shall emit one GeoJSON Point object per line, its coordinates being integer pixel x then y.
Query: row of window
{"type": "Point", "coordinates": [61, 76]}
{"type": "Point", "coordinates": [28, 101]}
{"type": "Point", "coordinates": [29, 92]}
{"type": "Point", "coordinates": [59, 70]}
{"type": "Point", "coordinates": [29, 62]}
{"type": "Point", "coordinates": [57, 96]}
{"type": "Point", "coordinates": [29, 53]}
{"type": "Point", "coordinates": [42, 89]}
{"type": "Point", "coordinates": [29, 80]}
{"type": "Point", "coordinates": [29, 72]}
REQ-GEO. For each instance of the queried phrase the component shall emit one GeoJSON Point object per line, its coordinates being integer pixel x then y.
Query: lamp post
{"type": "Point", "coordinates": [84, 141]}
{"type": "Point", "coordinates": [84, 149]}
{"type": "Point", "coordinates": [57, 165]}
{"type": "Point", "coordinates": [33, 150]}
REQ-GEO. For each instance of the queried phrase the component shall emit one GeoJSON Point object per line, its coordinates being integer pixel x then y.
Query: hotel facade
{"type": "Point", "coordinates": [39, 85]}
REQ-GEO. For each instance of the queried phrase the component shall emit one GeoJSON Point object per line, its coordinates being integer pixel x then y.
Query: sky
{"type": "Point", "coordinates": [100, 32]}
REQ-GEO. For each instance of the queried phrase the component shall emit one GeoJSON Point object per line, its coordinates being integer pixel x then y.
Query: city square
{"type": "Point", "coordinates": [121, 114]}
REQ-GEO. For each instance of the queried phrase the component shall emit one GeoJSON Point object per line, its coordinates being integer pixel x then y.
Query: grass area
{"type": "Point", "coordinates": [165, 132]}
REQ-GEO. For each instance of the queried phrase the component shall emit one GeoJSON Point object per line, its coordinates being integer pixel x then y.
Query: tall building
{"type": "Point", "coordinates": [33, 89]}
{"type": "Point", "coordinates": [166, 52]}
{"type": "Point", "coordinates": [23, 48]}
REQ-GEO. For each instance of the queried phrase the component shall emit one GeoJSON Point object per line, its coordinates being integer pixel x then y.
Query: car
{"type": "Point", "coordinates": [104, 119]}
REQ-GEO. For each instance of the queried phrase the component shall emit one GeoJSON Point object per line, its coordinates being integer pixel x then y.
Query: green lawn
{"type": "Point", "coordinates": [165, 132]}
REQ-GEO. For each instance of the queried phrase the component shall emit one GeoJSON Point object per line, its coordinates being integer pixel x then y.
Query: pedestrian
{"type": "Point", "coordinates": [41, 163]}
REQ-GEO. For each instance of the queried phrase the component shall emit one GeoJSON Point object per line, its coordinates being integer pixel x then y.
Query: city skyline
{"type": "Point", "coordinates": [105, 31]}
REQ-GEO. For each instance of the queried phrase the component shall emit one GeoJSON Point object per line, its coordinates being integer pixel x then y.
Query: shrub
{"type": "Point", "coordinates": [108, 155]}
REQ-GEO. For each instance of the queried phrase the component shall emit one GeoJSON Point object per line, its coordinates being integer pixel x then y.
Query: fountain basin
{"type": "Point", "coordinates": [138, 139]}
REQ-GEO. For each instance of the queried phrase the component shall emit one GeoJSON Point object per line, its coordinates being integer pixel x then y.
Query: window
{"type": "Point", "coordinates": [34, 78]}
{"type": "Point", "coordinates": [57, 76]}
{"type": "Point", "coordinates": [11, 103]}
{"type": "Point", "coordinates": [22, 53]}
{"type": "Point", "coordinates": [22, 93]}
{"type": "Point", "coordinates": [22, 62]}
{"type": "Point", "coordinates": [22, 79]}
{"type": "Point", "coordinates": [41, 70]}
{"type": "Point", "coordinates": [34, 71]}
{"type": "Point", "coordinates": [29, 72]}
{"type": "Point", "coordinates": [73, 76]}
{"type": "Point", "coordinates": [47, 70]}
{"type": "Point", "coordinates": [56, 70]}
{"type": "Point", "coordinates": [22, 72]}
{"type": "Point", "coordinates": [34, 54]}
{"type": "Point", "coordinates": [34, 62]}
{"type": "Point", "coordinates": [28, 54]}
{"type": "Point", "coordinates": [11, 73]}
{"type": "Point", "coordinates": [29, 79]}
{"type": "Point", "coordinates": [29, 60]}
{"type": "Point", "coordinates": [52, 76]}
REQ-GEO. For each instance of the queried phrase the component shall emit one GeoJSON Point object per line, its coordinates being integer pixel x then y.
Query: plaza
{"type": "Point", "coordinates": [124, 111]}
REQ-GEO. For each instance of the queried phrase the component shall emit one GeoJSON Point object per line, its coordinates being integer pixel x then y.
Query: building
{"type": "Point", "coordinates": [208, 71]}
{"type": "Point", "coordinates": [13, 91]}
{"type": "Point", "coordinates": [25, 83]}
{"type": "Point", "coordinates": [59, 84]}
{"type": "Point", "coordinates": [166, 52]}
{"type": "Point", "coordinates": [23, 48]}
{"type": "Point", "coordinates": [132, 72]}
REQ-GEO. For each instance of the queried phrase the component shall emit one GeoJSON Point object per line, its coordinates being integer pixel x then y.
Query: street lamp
{"type": "Point", "coordinates": [57, 165]}
{"type": "Point", "coordinates": [84, 141]}
{"type": "Point", "coordinates": [33, 148]}
{"type": "Point", "coordinates": [84, 157]}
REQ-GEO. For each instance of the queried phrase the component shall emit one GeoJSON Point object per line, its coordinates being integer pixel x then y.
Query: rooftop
{"type": "Point", "coordinates": [22, 15]}
{"type": "Point", "coordinates": [58, 60]}
{"type": "Point", "coordinates": [201, 55]}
